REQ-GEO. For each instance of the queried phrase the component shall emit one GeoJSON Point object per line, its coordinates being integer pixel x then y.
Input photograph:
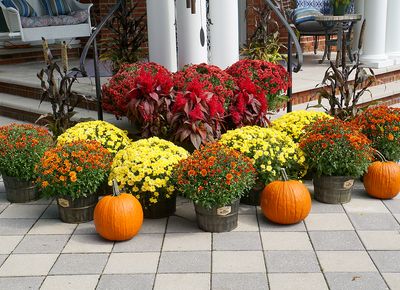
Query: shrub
{"type": "Point", "coordinates": [381, 124]}
{"type": "Point", "coordinates": [21, 147]}
{"type": "Point", "coordinates": [110, 137]}
{"type": "Point", "coordinates": [271, 80]}
{"type": "Point", "coordinates": [214, 176]}
{"type": "Point", "coordinates": [293, 123]}
{"type": "Point", "coordinates": [269, 150]}
{"type": "Point", "coordinates": [73, 169]}
{"type": "Point", "coordinates": [335, 148]}
{"type": "Point", "coordinates": [144, 169]}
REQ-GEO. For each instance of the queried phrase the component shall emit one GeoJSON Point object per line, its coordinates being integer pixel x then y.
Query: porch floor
{"type": "Point", "coordinates": [350, 246]}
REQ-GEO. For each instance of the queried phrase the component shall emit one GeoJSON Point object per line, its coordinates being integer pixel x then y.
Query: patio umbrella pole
{"type": "Point", "coordinates": [97, 81]}
{"type": "Point", "coordinates": [289, 69]}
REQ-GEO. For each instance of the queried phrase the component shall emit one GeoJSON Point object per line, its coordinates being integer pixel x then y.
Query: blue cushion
{"type": "Point", "coordinates": [23, 7]}
{"type": "Point", "coordinates": [56, 7]}
{"type": "Point", "coordinates": [323, 6]}
{"type": "Point", "coordinates": [300, 15]}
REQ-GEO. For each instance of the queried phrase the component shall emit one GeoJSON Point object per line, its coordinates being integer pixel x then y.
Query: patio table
{"type": "Point", "coordinates": [339, 24]}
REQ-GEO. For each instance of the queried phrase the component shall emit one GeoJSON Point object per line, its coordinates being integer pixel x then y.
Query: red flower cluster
{"type": "Point", "coordinates": [334, 147]}
{"type": "Point", "coordinates": [212, 78]}
{"type": "Point", "coordinates": [271, 80]}
{"type": "Point", "coordinates": [382, 126]}
{"type": "Point", "coordinates": [197, 115]}
{"type": "Point", "coordinates": [214, 175]}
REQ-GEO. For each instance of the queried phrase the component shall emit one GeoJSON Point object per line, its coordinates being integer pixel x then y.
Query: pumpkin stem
{"type": "Point", "coordinates": [116, 190]}
{"type": "Point", "coordinates": [284, 174]}
{"type": "Point", "coordinates": [380, 155]}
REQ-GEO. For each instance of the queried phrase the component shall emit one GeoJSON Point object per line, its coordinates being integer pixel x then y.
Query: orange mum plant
{"type": "Point", "coordinates": [336, 148]}
{"type": "Point", "coordinates": [73, 169]}
{"type": "Point", "coordinates": [382, 126]}
{"type": "Point", "coordinates": [214, 175]}
{"type": "Point", "coordinates": [21, 147]}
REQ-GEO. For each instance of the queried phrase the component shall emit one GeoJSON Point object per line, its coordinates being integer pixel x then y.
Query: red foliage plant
{"type": "Point", "coordinates": [248, 107]}
{"type": "Point", "coordinates": [197, 115]}
{"type": "Point", "coordinates": [271, 80]}
{"type": "Point", "coordinates": [142, 92]}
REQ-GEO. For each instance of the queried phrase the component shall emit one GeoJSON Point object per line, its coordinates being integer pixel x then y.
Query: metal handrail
{"type": "Point", "coordinates": [92, 40]}
{"type": "Point", "coordinates": [292, 39]}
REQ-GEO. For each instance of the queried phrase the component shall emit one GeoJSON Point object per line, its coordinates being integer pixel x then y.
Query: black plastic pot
{"type": "Point", "coordinates": [163, 208]}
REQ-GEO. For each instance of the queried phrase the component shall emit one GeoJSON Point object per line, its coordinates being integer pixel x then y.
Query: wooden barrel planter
{"type": "Point", "coordinates": [161, 209]}
{"type": "Point", "coordinates": [222, 219]}
{"type": "Point", "coordinates": [79, 210]}
{"type": "Point", "coordinates": [19, 191]}
{"type": "Point", "coordinates": [333, 189]}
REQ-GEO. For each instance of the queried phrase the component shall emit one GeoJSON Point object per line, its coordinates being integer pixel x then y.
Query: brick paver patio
{"type": "Point", "coordinates": [354, 246]}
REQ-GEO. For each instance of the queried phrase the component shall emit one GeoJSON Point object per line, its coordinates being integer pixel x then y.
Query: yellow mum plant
{"type": "Point", "coordinates": [109, 136]}
{"type": "Point", "coordinates": [144, 169]}
{"type": "Point", "coordinates": [269, 149]}
{"type": "Point", "coordinates": [293, 123]}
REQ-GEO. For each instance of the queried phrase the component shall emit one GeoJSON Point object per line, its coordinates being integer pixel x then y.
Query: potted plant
{"type": "Point", "coordinates": [212, 79]}
{"type": "Point", "coordinates": [72, 172]}
{"type": "Point", "coordinates": [214, 177]}
{"type": "Point", "coordinates": [248, 106]}
{"type": "Point", "coordinates": [271, 80]}
{"type": "Point", "coordinates": [143, 93]}
{"type": "Point", "coordinates": [293, 123]}
{"type": "Point", "coordinates": [269, 150]}
{"type": "Point", "coordinates": [336, 152]}
{"type": "Point", "coordinates": [110, 137]}
{"type": "Point", "coordinates": [197, 116]}
{"type": "Point", "coordinates": [381, 124]}
{"type": "Point", "coordinates": [144, 169]}
{"type": "Point", "coordinates": [340, 7]}
{"type": "Point", "coordinates": [21, 147]}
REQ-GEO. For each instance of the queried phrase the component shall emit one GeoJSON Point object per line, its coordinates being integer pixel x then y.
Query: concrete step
{"type": "Point", "coordinates": [29, 110]}
{"type": "Point", "coordinates": [388, 93]}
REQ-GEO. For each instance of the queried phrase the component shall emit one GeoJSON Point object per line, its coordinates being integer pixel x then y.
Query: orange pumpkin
{"type": "Point", "coordinates": [118, 217]}
{"type": "Point", "coordinates": [286, 202]}
{"type": "Point", "coordinates": [382, 179]}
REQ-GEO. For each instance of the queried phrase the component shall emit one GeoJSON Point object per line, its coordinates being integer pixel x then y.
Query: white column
{"type": "Point", "coordinates": [393, 30]}
{"type": "Point", "coordinates": [162, 33]}
{"type": "Point", "coordinates": [190, 49]}
{"type": "Point", "coordinates": [374, 50]}
{"type": "Point", "coordinates": [224, 32]}
{"type": "Point", "coordinates": [358, 9]}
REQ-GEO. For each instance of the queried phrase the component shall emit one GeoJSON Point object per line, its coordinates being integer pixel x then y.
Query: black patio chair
{"type": "Point", "coordinates": [303, 20]}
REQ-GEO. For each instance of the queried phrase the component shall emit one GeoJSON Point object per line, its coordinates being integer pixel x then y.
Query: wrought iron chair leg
{"type": "Point", "coordinates": [315, 44]}
{"type": "Point", "coordinates": [326, 48]}
{"type": "Point", "coordinates": [329, 47]}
